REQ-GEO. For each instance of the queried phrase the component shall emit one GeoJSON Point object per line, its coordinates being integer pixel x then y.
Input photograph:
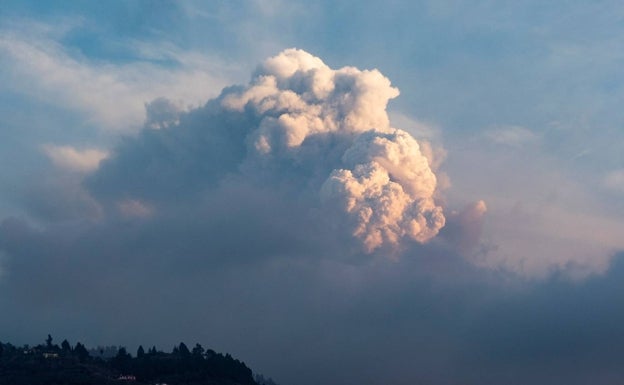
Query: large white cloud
{"type": "Point", "coordinates": [298, 125]}
{"type": "Point", "coordinates": [382, 182]}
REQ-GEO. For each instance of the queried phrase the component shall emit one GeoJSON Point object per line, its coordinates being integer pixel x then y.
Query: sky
{"type": "Point", "coordinates": [334, 192]}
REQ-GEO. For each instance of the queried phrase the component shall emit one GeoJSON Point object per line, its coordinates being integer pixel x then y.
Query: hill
{"type": "Point", "coordinates": [50, 364]}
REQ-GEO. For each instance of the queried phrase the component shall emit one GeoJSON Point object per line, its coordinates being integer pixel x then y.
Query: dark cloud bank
{"type": "Point", "coordinates": [266, 224]}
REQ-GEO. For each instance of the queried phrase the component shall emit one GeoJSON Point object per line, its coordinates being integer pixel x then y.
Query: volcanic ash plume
{"type": "Point", "coordinates": [382, 183]}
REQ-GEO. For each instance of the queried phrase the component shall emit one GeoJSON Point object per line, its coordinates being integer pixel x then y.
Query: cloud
{"type": "Point", "coordinates": [422, 130]}
{"type": "Point", "coordinates": [109, 94]}
{"type": "Point", "coordinates": [134, 208]}
{"type": "Point", "coordinates": [514, 136]}
{"type": "Point", "coordinates": [162, 113]}
{"type": "Point", "coordinates": [615, 180]}
{"type": "Point", "coordinates": [465, 227]}
{"type": "Point", "coordinates": [56, 196]}
{"type": "Point", "coordinates": [279, 314]}
{"type": "Point", "coordinates": [316, 145]}
{"type": "Point", "coordinates": [70, 158]}
{"type": "Point", "coordinates": [536, 241]}
{"type": "Point", "coordinates": [300, 126]}
{"type": "Point", "coordinates": [388, 191]}
{"type": "Point", "coordinates": [540, 221]}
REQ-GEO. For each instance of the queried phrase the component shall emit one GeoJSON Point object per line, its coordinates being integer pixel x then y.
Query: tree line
{"type": "Point", "coordinates": [67, 364]}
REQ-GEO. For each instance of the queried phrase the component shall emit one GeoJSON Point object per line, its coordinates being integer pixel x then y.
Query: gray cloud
{"type": "Point", "coordinates": [309, 320]}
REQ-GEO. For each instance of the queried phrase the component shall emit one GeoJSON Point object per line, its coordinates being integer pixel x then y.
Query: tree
{"type": "Point", "coordinates": [140, 352]}
{"type": "Point", "coordinates": [65, 346]}
{"type": "Point", "coordinates": [49, 342]}
{"type": "Point", "coordinates": [123, 353]}
{"type": "Point", "coordinates": [210, 353]}
{"type": "Point", "coordinates": [198, 351]}
{"type": "Point", "coordinates": [81, 352]}
{"type": "Point", "coordinates": [184, 352]}
{"type": "Point", "coordinates": [122, 360]}
{"type": "Point", "coordinates": [264, 381]}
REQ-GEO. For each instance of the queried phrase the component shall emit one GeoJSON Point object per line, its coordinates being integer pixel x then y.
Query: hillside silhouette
{"type": "Point", "coordinates": [51, 364]}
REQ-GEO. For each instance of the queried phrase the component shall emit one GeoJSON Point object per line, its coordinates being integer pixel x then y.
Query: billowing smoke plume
{"type": "Point", "coordinates": [383, 183]}
{"type": "Point", "coordinates": [386, 189]}
{"type": "Point", "coordinates": [324, 133]}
